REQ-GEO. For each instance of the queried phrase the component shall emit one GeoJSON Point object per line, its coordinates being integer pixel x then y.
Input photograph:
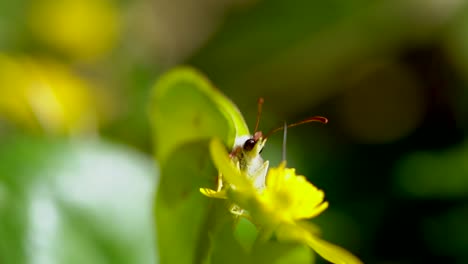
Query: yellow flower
{"type": "Point", "coordinates": [42, 95]}
{"type": "Point", "coordinates": [85, 30]}
{"type": "Point", "coordinates": [281, 208]}
{"type": "Point", "coordinates": [291, 197]}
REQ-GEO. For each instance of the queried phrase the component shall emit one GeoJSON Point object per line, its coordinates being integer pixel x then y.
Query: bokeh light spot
{"type": "Point", "coordinates": [81, 29]}
{"type": "Point", "coordinates": [382, 104]}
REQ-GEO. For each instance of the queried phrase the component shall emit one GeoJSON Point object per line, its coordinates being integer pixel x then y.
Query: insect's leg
{"type": "Point", "coordinates": [220, 182]}
{"type": "Point", "coordinates": [235, 152]}
{"type": "Point", "coordinates": [235, 209]}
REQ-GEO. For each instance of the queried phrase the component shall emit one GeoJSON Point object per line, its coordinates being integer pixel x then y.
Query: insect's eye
{"type": "Point", "coordinates": [249, 144]}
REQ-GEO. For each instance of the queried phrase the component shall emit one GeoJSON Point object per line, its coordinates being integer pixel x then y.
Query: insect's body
{"type": "Point", "coordinates": [246, 154]}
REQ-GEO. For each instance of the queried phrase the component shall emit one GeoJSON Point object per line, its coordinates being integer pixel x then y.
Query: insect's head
{"type": "Point", "coordinates": [249, 147]}
{"type": "Point", "coordinates": [254, 145]}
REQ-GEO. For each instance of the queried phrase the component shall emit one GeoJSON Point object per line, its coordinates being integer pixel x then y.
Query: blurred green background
{"type": "Point", "coordinates": [77, 178]}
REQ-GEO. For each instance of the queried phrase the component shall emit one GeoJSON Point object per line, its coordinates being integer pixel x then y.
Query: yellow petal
{"type": "Point", "coordinates": [332, 253]}
{"type": "Point", "coordinates": [291, 196]}
{"type": "Point", "coordinates": [309, 212]}
{"type": "Point", "coordinates": [213, 194]}
{"type": "Point", "coordinates": [276, 176]}
{"type": "Point", "coordinates": [305, 233]}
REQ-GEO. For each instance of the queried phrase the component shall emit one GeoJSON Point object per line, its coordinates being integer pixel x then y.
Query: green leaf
{"type": "Point", "coordinates": [186, 107]}
{"type": "Point", "coordinates": [230, 248]}
{"type": "Point", "coordinates": [282, 253]}
{"type": "Point", "coordinates": [187, 111]}
{"type": "Point", "coordinates": [271, 251]}
{"type": "Point", "coordinates": [226, 247]}
{"type": "Point", "coordinates": [181, 210]}
{"type": "Point", "coordinates": [75, 202]}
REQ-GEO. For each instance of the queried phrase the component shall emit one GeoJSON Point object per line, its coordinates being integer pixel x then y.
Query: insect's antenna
{"type": "Point", "coordinates": [259, 112]}
{"type": "Point", "coordinates": [285, 129]}
{"type": "Point", "coordinates": [319, 119]}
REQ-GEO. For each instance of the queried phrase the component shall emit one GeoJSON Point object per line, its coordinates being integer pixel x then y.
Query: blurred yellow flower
{"type": "Point", "coordinates": [281, 208]}
{"type": "Point", "coordinates": [40, 95]}
{"type": "Point", "coordinates": [80, 29]}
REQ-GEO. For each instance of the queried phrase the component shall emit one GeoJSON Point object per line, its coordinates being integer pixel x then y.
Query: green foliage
{"type": "Point", "coordinates": [186, 111]}
{"type": "Point", "coordinates": [374, 68]}
{"type": "Point", "coordinates": [63, 202]}
{"type": "Point", "coordinates": [434, 174]}
{"type": "Point", "coordinates": [185, 107]}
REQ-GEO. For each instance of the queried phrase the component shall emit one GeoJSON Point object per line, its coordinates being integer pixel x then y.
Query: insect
{"type": "Point", "coordinates": [247, 149]}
